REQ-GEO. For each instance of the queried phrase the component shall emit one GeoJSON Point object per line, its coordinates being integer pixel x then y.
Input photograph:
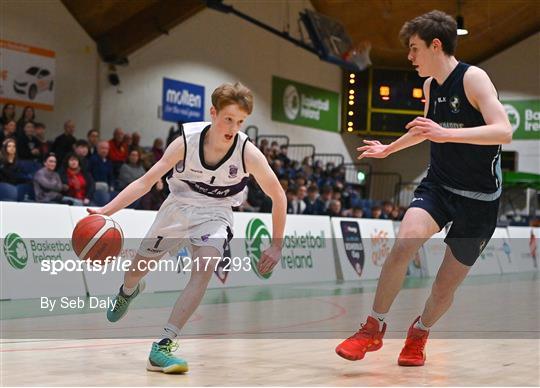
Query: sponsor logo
{"type": "Point", "coordinates": [19, 251]}
{"type": "Point", "coordinates": [454, 104]}
{"type": "Point", "coordinates": [233, 171]}
{"type": "Point", "coordinates": [257, 240]}
{"type": "Point", "coordinates": [380, 245]}
{"type": "Point", "coordinates": [354, 248]}
{"type": "Point", "coordinates": [15, 251]}
{"type": "Point", "coordinates": [183, 98]}
{"type": "Point", "coordinates": [291, 102]}
{"type": "Point", "coordinates": [441, 99]}
{"type": "Point", "coordinates": [513, 116]}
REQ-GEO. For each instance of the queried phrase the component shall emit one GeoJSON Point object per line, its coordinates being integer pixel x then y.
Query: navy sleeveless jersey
{"type": "Point", "coordinates": [467, 169]}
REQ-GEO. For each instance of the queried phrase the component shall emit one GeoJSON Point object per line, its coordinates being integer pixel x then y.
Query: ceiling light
{"type": "Point", "coordinates": [461, 30]}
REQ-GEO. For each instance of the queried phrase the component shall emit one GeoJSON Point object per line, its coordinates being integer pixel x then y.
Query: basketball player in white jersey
{"type": "Point", "coordinates": [211, 165]}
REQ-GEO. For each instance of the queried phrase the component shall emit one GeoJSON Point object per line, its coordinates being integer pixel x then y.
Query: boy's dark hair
{"type": "Point", "coordinates": [429, 26]}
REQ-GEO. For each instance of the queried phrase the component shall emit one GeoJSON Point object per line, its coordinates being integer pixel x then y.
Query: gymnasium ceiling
{"type": "Point", "coordinates": [120, 27]}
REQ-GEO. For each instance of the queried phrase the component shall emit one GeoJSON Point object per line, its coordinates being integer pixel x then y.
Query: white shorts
{"type": "Point", "coordinates": [178, 224]}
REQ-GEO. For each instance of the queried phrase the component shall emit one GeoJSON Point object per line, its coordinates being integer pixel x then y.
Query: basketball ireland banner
{"type": "Point", "coordinates": [304, 105]}
{"type": "Point", "coordinates": [27, 75]}
{"type": "Point", "coordinates": [524, 116]}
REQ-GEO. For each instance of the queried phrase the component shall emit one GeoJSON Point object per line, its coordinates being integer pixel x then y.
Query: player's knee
{"type": "Point", "coordinates": [441, 294]}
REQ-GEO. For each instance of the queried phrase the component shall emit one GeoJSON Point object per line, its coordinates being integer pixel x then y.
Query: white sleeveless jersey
{"type": "Point", "coordinates": [195, 183]}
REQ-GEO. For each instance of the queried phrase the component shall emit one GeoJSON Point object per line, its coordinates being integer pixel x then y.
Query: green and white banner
{"type": "Point", "coordinates": [305, 105]}
{"type": "Point", "coordinates": [524, 115]}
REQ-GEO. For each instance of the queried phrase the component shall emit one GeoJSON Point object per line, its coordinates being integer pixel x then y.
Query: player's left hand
{"type": "Point", "coordinates": [269, 258]}
{"type": "Point", "coordinates": [428, 129]}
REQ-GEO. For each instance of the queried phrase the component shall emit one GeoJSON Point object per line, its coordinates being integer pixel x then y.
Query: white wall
{"type": "Point", "coordinates": [211, 48]}
{"type": "Point", "coordinates": [48, 24]}
{"type": "Point", "coordinates": [516, 74]}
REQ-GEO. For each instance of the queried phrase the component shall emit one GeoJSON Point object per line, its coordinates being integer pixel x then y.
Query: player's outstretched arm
{"type": "Point", "coordinates": [375, 149]}
{"type": "Point", "coordinates": [257, 165]}
{"type": "Point", "coordinates": [139, 187]}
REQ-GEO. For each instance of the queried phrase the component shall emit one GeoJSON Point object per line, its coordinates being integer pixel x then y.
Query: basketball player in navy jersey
{"type": "Point", "coordinates": [466, 125]}
{"type": "Point", "coordinates": [211, 165]}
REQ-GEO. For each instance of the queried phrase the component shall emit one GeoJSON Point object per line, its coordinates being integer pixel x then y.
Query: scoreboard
{"type": "Point", "coordinates": [381, 101]}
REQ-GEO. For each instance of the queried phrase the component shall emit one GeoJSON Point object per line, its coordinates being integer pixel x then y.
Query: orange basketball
{"type": "Point", "coordinates": [97, 238]}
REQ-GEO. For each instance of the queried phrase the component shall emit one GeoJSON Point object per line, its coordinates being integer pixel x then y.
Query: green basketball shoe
{"type": "Point", "coordinates": [121, 303]}
{"type": "Point", "coordinates": [161, 358]}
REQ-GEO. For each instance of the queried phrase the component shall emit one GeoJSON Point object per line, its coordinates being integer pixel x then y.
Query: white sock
{"type": "Point", "coordinates": [420, 325]}
{"type": "Point", "coordinates": [378, 316]}
{"type": "Point", "coordinates": [170, 331]}
{"type": "Point", "coordinates": [129, 291]}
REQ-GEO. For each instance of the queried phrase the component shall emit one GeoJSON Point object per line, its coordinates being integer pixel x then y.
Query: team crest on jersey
{"type": "Point", "coordinates": [233, 171]}
{"type": "Point", "coordinates": [454, 104]}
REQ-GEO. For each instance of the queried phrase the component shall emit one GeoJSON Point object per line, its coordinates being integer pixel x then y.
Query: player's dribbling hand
{"type": "Point", "coordinates": [269, 258]}
{"type": "Point", "coordinates": [95, 211]}
{"type": "Point", "coordinates": [428, 129]}
{"type": "Point", "coordinates": [373, 149]}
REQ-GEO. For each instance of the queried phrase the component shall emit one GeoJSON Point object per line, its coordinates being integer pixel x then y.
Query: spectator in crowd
{"type": "Point", "coordinates": [334, 209]}
{"type": "Point", "coordinates": [48, 186]}
{"type": "Point", "coordinates": [10, 169]}
{"type": "Point", "coordinates": [175, 132]}
{"type": "Point", "coordinates": [357, 212]}
{"type": "Point", "coordinates": [157, 149]}
{"type": "Point", "coordinates": [93, 138]}
{"type": "Point", "coordinates": [8, 130]}
{"type": "Point", "coordinates": [101, 168]}
{"type": "Point", "coordinates": [43, 144]}
{"type": "Point", "coordinates": [256, 200]}
{"type": "Point", "coordinates": [387, 208]}
{"type": "Point", "coordinates": [313, 204]}
{"type": "Point", "coordinates": [298, 205]}
{"type": "Point", "coordinates": [274, 150]}
{"type": "Point", "coordinates": [82, 149]}
{"type": "Point", "coordinates": [326, 196]}
{"type": "Point", "coordinates": [118, 150]}
{"type": "Point", "coordinates": [135, 143]}
{"type": "Point", "coordinates": [154, 198]}
{"type": "Point", "coordinates": [376, 212]}
{"type": "Point", "coordinates": [27, 143]}
{"type": "Point", "coordinates": [63, 144]}
{"type": "Point", "coordinates": [28, 114]}
{"type": "Point", "coordinates": [8, 114]}
{"type": "Point", "coordinates": [290, 193]}
{"type": "Point", "coordinates": [80, 184]}
{"type": "Point", "coordinates": [131, 170]}
{"type": "Point", "coordinates": [263, 144]}
{"type": "Point", "coordinates": [283, 151]}
{"type": "Point", "coordinates": [397, 213]}
{"type": "Point", "coordinates": [277, 167]}
{"type": "Point", "coordinates": [128, 141]}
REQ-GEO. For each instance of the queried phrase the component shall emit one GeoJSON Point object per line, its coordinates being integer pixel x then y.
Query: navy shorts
{"type": "Point", "coordinates": [473, 221]}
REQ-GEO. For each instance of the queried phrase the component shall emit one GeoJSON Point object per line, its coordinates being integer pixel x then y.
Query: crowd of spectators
{"type": "Point", "coordinates": [312, 188]}
{"type": "Point", "coordinates": [91, 171]}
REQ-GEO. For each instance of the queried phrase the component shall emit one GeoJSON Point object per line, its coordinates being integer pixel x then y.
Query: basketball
{"type": "Point", "coordinates": [97, 238]}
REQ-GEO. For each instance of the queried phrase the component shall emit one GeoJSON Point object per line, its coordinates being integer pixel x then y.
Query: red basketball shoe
{"type": "Point", "coordinates": [367, 339]}
{"type": "Point", "coordinates": [413, 353]}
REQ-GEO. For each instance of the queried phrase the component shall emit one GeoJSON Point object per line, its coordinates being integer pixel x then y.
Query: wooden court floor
{"type": "Point", "coordinates": [283, 336]}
